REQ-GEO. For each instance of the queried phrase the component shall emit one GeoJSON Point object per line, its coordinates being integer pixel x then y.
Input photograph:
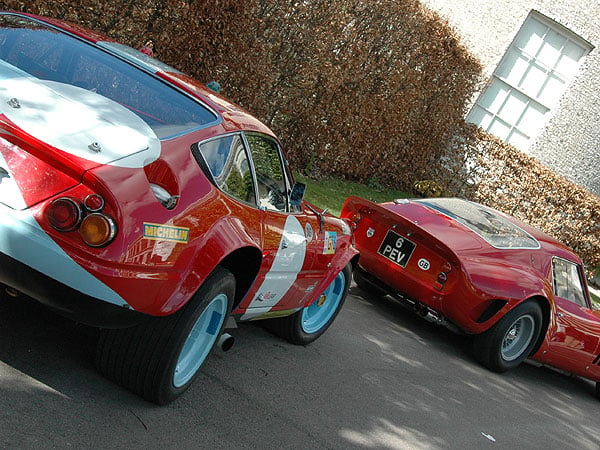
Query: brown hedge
{"type": "Point", "coordinates": [370, 91]}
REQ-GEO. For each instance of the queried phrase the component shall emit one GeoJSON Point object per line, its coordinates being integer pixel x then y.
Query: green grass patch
{"type": "Point", "coordinates": [331, 193]}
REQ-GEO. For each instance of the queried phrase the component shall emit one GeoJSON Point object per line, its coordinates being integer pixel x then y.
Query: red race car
{"type": "Point", "coordinates": [519, 292]}
{"type": "Point", "coordinates": [134, 199]}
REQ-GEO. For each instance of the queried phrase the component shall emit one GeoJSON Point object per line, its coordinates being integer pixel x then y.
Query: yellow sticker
{"type": "Point", "coordinates": [158, 232]}
{"type": "Point", "coordinates": [330, 243]}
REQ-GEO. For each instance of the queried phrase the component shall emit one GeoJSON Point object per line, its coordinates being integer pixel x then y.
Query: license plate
{"type": "Point", "coordinates": [396, 248]}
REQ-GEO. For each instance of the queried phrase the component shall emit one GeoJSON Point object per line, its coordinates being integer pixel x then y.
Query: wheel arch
{"type": "Point", "coordinates": [244, 263]}
{"type": "Point", "coordinates": [544, 304]}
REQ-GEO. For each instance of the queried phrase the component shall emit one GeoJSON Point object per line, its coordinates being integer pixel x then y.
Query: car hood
{"type": "Point", "coordinates": [66, 128]}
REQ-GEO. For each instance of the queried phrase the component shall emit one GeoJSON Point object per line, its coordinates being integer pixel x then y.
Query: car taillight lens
{"type": "Point", "coordinates": [64, 214]}
{"type": "Point", "coordinates": [354, 220]}
{"type": "Point", "coordinates": [442, 276]}
{"type": "Point", "coordinates": [97, 229]}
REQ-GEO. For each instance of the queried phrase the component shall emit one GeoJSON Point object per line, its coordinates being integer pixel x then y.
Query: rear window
{"type": "Point", "coordinates": [45, 53]}
{"type": "Point", "coordinates": [493, 228]}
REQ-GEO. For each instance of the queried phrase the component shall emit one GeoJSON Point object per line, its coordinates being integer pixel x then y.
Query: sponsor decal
{"type": "Point", "coordinates": [265, 296]}
{"type": "Point", "coordinates": [156, 232]}
{"type": "Point", "coordinates": [330, 243]}
{"type": "Point", "coordinates": [308, 231]}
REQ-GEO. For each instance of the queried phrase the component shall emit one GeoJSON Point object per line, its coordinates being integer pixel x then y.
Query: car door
{"type": "Point", "coordinates": [290, 243]}
{"type": "Point", "coordinates": [574, 340]}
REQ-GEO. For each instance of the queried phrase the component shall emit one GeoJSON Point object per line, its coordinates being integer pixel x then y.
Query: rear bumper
{"type": "Point", "coordinates": [63, 299]}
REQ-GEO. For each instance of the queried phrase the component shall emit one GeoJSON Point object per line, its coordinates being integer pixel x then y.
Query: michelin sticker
{"type": "Point", "coordinates": [330, 243]}
{"type": "Point", "coordinates": [156, 232]}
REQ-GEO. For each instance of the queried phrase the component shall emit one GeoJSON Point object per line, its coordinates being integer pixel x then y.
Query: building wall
{"type": "Point", "coordinates": [570, 140]}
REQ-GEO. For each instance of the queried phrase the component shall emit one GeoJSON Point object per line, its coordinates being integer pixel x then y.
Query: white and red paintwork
{"type": "Point", "coordinates": [281, 259]}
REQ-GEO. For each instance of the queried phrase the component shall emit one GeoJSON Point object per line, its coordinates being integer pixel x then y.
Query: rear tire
{"type": "Point", "coordinates": [510, 341]}
{"type": "Point", "coordinates": [160, 358]}
{"type": "Point", "coordinates": [309, 323]}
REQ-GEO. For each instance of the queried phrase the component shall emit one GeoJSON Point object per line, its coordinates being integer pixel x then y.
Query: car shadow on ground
{"type": "Point", "coordinates": [459, 346]}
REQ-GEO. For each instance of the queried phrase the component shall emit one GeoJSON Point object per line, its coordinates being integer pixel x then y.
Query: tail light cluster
{"type": "Point", "coordinates": [96, 228]}
{"type": "Point", "coordinates": [442, 277]}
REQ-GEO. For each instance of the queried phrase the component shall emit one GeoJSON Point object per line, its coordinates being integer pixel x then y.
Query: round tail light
{"type": "Point", "coordinates": [97, 229]}
{"type": "Point", "coordinates": [64, 214]}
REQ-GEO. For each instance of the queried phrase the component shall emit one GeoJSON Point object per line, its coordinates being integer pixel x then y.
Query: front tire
{"type": "Point", "coordinates": [160, 358]}
{"type": "Point", "coordinates": [510, 341]}
{"type": "Point", "coordinates": [308, 324]}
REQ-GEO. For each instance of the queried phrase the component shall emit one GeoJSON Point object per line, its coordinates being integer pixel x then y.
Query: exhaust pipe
{"type": "Point", "coordinates": [225, 342]}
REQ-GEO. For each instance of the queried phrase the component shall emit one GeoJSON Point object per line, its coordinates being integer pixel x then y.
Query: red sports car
{"type": "Point", "coordinates": [519, 292]}
{"type": "Point", "coordinates": [134, 199]}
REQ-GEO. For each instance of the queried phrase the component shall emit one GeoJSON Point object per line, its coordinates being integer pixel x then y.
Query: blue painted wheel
{"type": "Point", "coordinates": [320, 313]}
{"type": "Point", "coordinates": [159, 358]}
{"type": "Point", "coordinates": [200, 340]}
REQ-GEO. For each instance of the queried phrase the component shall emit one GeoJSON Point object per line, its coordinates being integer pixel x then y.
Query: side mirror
{"type": "Point", "coordinates": [297, 193]}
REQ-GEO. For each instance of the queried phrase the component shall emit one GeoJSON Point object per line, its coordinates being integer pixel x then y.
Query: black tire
{"type": "Point", "coordinates": [309, 323]}
{"type": "Point", "coordinates": [510, 341]}
{"type": "Point", "coordinates": [152, 360]}
{"type": "Point", "coordinates": [365, 284]}
{"type": "Point", "coordinates": [598, 390]}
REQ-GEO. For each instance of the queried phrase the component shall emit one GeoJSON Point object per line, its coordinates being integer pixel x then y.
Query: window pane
{"type": "Point", "coordinates": [228, 164]}
{"type": "Point", "coordinates": [513, 67]}
{"type": "Point", "coordinates": [494, 96]}
{"type": "Point", "coordinates": [569, 61]}
{"type": "Point", "coordinates": [513, 107]}
{"type": "Point", "coordinates": [480, 117]}
{"type": "Point", "coordinates": [550, 51]}
{"type": "Point", "coordinates": [552, 90]}
{"type": "Point", "coordinates": [269, 174]}
{"type": "Point", "coordinates": [567, 282]}
{"type": "Point", "coordinates": [533, 119]}
{"type": "Point", "coordinates": [533, 81]}
{"type": "Point", "coordinates": [530, 38]}
{"type": "Point", "coordinates": [500, 129]}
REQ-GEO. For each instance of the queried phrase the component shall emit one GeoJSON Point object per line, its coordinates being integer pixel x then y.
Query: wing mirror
{"type": "Point", "coordinates": [297, 193]}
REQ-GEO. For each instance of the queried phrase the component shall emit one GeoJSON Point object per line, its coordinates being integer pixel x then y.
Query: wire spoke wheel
{"type": "Point", "coordinates": [518, 337]}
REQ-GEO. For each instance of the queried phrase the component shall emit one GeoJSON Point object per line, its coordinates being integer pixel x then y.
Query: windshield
{"type": "Point", "coordinates": [495, 229]}
{"type": "Point", "coordinates": [47, 54]}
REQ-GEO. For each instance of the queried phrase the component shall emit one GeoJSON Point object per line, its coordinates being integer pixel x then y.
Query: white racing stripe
{"type": "Point", "coordinates": [285, 269]}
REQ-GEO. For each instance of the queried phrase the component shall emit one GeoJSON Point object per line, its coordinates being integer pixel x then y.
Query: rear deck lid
{"type": "Point", "coordinates": [66, 129]}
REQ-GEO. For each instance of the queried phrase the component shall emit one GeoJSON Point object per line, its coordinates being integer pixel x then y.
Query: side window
{"type": "Point", "coordinates": [228, 163]}
{"type": "Point", "coordinates": [269, 173]}
{"type": "Point", "coordinates": [567, 281]}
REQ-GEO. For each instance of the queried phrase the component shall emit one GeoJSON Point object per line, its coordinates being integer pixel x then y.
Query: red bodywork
{"type": "Point", "coordinates": [457, 276]}
{"type": "Point", "coordinates": [140, 271]}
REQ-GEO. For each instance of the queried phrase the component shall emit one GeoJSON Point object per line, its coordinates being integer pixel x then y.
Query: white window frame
{"type": "Point", "coordinates": [529, 81]}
